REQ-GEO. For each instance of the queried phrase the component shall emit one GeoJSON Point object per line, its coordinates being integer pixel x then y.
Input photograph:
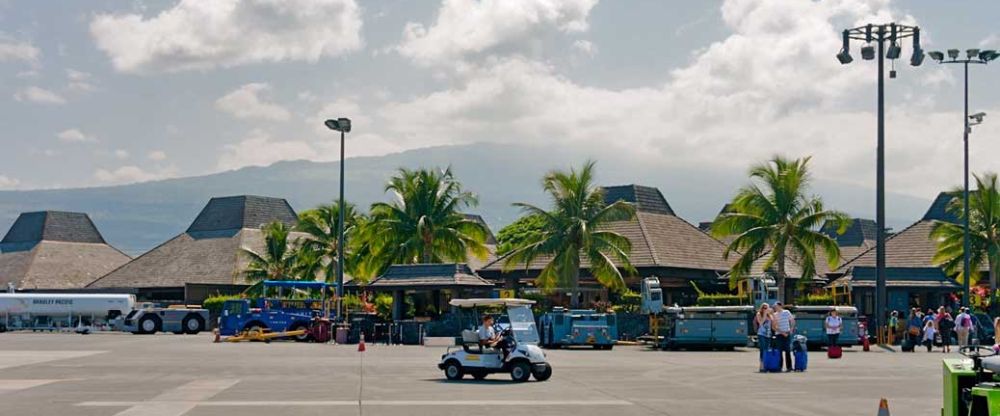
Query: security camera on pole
{"type": "Point", "coordinates": [882, 34]}
{"type": "Point", "coordinates": [972, 56]}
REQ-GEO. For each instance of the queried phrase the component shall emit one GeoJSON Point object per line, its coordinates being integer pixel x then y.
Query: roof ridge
{"type": "Point", "coordinates": [870, 249]}
{"type": "Point", "coordinates": [132, 259]}
{"type": "Point", "coordinates": [645, 236]}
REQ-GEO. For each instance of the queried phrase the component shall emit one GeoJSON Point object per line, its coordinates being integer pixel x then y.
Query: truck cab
{"type": "Point", "coordinates": [274, 314]}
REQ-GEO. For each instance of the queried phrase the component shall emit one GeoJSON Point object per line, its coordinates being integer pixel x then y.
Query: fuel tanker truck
{"type": "Point", "coordinates": [54, 311]}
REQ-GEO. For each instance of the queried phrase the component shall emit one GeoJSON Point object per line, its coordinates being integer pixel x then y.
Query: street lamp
{"type": "Point", "coordinates": [342, 125]}
{"type": "Point", "coordinates": [972, 56]}
{"type": "Point", "coordinates": [890, 33]}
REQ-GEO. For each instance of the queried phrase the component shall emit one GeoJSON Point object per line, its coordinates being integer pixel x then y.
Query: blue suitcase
{"type": "Point", "coordinates": [801, 360]}
{"type": "Point", "coordinates": [772, 361]}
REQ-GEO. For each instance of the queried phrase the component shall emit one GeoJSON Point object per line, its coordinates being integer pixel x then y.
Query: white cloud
{"type": "Point", "coordinates": [75, 136]}
{"type": "Point", "coordinates": [259, 149]}
{"type": "Point", "coordinates": [990, 42]}
{"type": "Point", "coordinates": [585, 47]}
{"type": "Point", "coordinates": [39, 96]}
{"type": "Point", "coordinates": [132, 174]}
{"type": "Point", "coordinates": [469, 27]}
{"type": "Point", "coordinates": [14, 50]}
{"type": "Point", "coordinates": [245, 102]}
{"type": "Point", "coordinates": [121, 153]}
{"type": "Point", "coordinates": [79, 81]}
{"type": "Point", "coordinates": [7, 182]}
{"type": "Point", "coordinates": [197, 34]}
{"type": "Point", "coordinates": [157, 155]}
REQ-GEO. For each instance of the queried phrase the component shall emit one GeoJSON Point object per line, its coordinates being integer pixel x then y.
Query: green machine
{"type": "Point", "coordinates": [970, 384]}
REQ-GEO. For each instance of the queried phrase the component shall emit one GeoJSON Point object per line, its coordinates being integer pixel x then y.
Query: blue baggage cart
{"type": "Point", "coordinates": [708, 326]}
{"type": "Point", "coordinates": [574, 327]}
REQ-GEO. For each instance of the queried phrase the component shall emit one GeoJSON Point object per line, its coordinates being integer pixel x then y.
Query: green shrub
{"type": "Point", "coordinates": [720, 299]}
{"type": "Point", "coordinates": [812, 299]}
{"type": "Point", "coordinates": [214, 303]}
{"type": "Point", "coordinates": [352, 302]}
{"type": "Point", "coordinates": [628, 302]}
{"type": "Point", "coordinates": [383, 305]}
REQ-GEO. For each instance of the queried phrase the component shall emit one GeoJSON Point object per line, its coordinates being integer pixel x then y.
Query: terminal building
{"type": "Point", "coordinates": [55, 250]}
{"type": "Point", "coordinates": [205, 259]}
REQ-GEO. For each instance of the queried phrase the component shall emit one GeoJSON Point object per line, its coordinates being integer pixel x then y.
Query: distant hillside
{"type": "Point", "coordinates": [139, 216]}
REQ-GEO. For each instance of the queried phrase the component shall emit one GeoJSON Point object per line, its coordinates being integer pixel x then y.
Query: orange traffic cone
{"type": "Point", "coordinates": [883, 407]}
{"type": "Point", "coordinates": [361, 345]}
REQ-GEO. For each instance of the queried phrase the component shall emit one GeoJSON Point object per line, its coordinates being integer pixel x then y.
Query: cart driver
{"type": "Point", "coordinates": [488, 337]}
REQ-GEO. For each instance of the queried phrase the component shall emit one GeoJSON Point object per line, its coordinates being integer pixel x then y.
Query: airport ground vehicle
{"type": "Point", "coordinates": [572, 327]}
{"type": "Point", "coordinates": [809, 322]}
{"type": "Point", "coordinates": [149, 318]}
{"type": "Point", "coordinates": [516, 324]}
{"type": "Point", "coordinates": [971, 387]}
{"type": "Point", "coordinates": [50, 311]}
{"type": "Point", "coordinates": [278, 314]}
{"type": "Point", "coordinates": [694, 326]}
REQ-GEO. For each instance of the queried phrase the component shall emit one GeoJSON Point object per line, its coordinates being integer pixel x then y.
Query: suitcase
{"type": "Point", "coordinates": [801, 360]}
{"type": "Point", "coordinates": [907, 346]}
{"type": "Point", "coordinates": [772, 361]}
{"type": "Point", "coordinates": [834, 351]}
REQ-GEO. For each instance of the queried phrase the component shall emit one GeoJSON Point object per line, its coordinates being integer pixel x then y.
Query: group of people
{"type": "Point", "coordinates": [939, 326]}
{"type": "Point", "coordinates": [776, 325]}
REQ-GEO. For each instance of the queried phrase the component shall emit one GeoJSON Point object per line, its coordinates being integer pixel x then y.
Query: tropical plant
{"type": "Point", "coordinates": [214, 303]}
{"type": "Point", "coordinates": [383, 305]}
{"type": "Point", "coordinates": [276, 262]}
{"type": "Point", "coordinates": [318, 251]}
{"type": "Point", "coordinates": [575, 229]}
{"type": "Point", "coordinates": [984, 233]}
{"type": "Point", "coordinates": [774, 217]}
{"type": "Point", "coordinates": [424, 223]}
{"type": "Point", "coordinates": [524, 229]}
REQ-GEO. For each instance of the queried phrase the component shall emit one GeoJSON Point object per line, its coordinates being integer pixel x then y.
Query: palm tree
{"type": "Point", "coordinates": [575, 229]}
{"type": "Point", "coordinates": [773, 217]}
{"type": "Point", "coordinates": [277, 261]}
{"type": "Point", "coordinates": [322, 226]}
{"type": "Point", "coordinates": [984, 234]}
{"type": "Point", "coordinates": [424, 223]}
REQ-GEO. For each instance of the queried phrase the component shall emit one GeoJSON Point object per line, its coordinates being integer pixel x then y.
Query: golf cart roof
{"type": "Point", "coordinates": [472, 303]}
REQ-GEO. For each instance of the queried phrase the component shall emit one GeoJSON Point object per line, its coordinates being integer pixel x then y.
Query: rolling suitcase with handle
{"type": "Point", "coordinates": [834, 351]}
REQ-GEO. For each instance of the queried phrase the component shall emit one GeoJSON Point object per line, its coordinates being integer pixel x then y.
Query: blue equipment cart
{"type": "Point", "coordinates": [707, 326]}
{"type": "Point", "coordinates": [809, 322]}
{"type": "Point", "coordinates": [570, 327]}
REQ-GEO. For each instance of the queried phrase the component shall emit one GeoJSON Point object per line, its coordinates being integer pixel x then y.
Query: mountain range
{"type": "Point", "coordinates": [137, 217]}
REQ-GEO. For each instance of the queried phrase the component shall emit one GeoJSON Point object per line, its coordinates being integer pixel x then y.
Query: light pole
{"type": "Point", "coordinates": [972, 56]}
{"type": "Point", "coordinates": [342, 125]}
{"type": "Point", "coordinates": [880, 34]}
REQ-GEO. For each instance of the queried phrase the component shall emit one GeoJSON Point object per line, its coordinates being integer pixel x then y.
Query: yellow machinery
{"type": "Point", "coordinates": [264, 335]}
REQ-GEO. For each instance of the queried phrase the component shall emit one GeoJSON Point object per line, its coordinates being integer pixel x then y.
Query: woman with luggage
{"type": "Point", "coordinates": [762, 322]}
{"type": "Point", "coordinates": [832, 324]}
{"type": "Point", "coordinates": [913, 332]}
{"type": "Point", "coordinates": [945, 325]}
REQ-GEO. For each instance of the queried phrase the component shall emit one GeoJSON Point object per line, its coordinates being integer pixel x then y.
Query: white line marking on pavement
{"type": "Point", "coordinates": [332, 403]}
{"type": "Point", "coordinates": [12, 358]}
{"type": "Point", "coordinates": [14, 385]}
{"type": "Point", "coordinates": [180, 400]}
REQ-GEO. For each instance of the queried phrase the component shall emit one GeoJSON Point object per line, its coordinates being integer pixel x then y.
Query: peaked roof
{"type": "Point", "coordinates": [55, 250]}
{"type": "Point", "coordinates": [912, 247]}
{"type": "Point", "coordinates": [490, 238]}
{"type": "Point", "coordinates": [861, 232]}
{"type": "Point", "coordinates": [939, 208]}
{"type": "Point", "coordinates": [645, 198]}
{"type": "Point", "coordinates": [210, 250]}
{"type": "Point", "coordinates": [659, 238]}
{"type": "Point", "coordinates": [33, 227]}
{"type": "Point", "coordinates": [243, 211]}
{"type": "Point", "coordinates": [429, 276]}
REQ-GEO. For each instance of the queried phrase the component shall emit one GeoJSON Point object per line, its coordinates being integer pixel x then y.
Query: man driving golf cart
{"type": "Point", "coordinates": [510, 346]}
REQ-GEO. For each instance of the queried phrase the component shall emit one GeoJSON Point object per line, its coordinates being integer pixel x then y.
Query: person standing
{"type": "Point", "coordinates": [929, 333]}
{"type": "Point", "coordinates": [762, 322]}
{"type": "Point", "coordinates": [784, 326]}
{"type": "Point", "coordinates": [945, 325]}
{"type": "Point", "coordinates": [963, 326]}
{"type": "Point", "coordinates": [893, 326]}
{"type": "Point", "coordinates": [832, 324]}
{"type": "Point", "coordinates": [913, 325]}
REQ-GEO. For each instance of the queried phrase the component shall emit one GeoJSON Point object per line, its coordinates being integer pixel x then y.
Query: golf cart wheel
{"type": "Point", "coordinates": [542, 374]}
{"type": "Point", "coordinates": [453, 370]}
{"type": "Point", "coordinates": [479, 375]}
{"type": "Point", "coordinates": [520, 371]}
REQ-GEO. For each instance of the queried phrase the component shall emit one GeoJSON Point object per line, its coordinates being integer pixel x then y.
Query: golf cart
{"type": "Point", "coordinates": [518, 336]}
{"type": "Point", "coordinates": [971, 386]}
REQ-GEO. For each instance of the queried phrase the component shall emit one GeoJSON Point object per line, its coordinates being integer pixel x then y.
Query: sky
{"type": "Point", "coordinates": [110, 92]}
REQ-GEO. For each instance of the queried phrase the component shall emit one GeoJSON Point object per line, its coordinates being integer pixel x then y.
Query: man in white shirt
{"type": "Point", "coordinates": [784, 326]}
{"type": "Point", "coordinates": [488, 337]}
{"type": "Point", "coordinates": [963, 325]}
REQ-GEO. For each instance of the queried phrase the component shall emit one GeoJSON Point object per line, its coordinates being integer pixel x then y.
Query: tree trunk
{"type": "Point", "coordinates": [428, 242]}
{"type": "Point", "coordinates": [780, 278]}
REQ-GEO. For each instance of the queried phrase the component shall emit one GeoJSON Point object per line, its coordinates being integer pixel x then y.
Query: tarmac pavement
{"type": "Point", "coordinates": [109, 374]}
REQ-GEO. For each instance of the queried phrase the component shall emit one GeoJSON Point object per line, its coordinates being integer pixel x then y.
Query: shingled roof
{"type": "Point", "coordinates": [911, 247]}
{"type": "Point", "coordinates": [925, 277]}
{"type": "Point", "coordinates": [429, 276]}
{"type": "Point", "coordinates": [209, 251]}
{"type": "Point", "coordinates": [659, 238]}
{"type": "Point", "coordinates": [55, 250]}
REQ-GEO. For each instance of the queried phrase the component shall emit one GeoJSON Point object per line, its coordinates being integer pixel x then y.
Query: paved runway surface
{"type": "Point", "coordinates": [174, 375]}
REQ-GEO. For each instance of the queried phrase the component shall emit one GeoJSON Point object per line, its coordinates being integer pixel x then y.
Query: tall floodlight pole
{"type": "Point", "coordinates": [880, 34]}
{"type": "Point", "coordinates": [342, 125]}
{"type": "Point", "coordinates": [972, 56]}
